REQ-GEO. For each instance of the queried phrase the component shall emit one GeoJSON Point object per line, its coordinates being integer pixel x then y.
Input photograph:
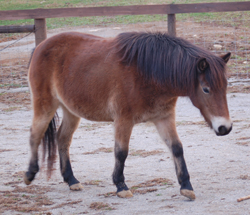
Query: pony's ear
{"type": "Point", "coordinates": [226, 57]}
{"type": "Point", "coordinates": [202, 65]}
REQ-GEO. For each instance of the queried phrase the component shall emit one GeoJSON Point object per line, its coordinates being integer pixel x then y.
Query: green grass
{"type": "Point", "coordinates": [107, 20]}
{"type": "Point", "coordinates": [12, 85]}
{"type": "Point", "coordinates": [32, 4]}
{"type": "Point", "coordinates": [10, 109]}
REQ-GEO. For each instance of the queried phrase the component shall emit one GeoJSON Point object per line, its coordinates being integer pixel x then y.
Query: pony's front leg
{"type": "Point", "coordinates": [123, 131]}
{"type": "Point", "coordinates": [167, 130]}
{"type": "Point", "coordinates": [64, 138]}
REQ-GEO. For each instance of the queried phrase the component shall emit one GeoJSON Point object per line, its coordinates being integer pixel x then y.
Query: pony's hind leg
{"type": "Point", "coordinates": [40, 123]}
{"type": "Point", "coordinates": [167, 130]}
{"type": "Point", "coordinates": [123, 131]}
{"type": "Point", "coordinates": [64, 136]}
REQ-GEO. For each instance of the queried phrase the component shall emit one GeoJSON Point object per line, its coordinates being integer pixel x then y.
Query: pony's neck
{"type": "Point", "coordinates": [176, 92]}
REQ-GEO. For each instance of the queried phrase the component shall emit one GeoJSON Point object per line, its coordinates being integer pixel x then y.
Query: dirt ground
{"type": "Point", "coordinates": [218, 166]}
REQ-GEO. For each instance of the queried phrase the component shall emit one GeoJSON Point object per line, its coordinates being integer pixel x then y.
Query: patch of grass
{"type": "Point", "coordinates": [154, 182]}
{"type": "Point", "coordinates": [19, 199]}
{"type": "Point", "coordinates": [143, 153]}
{"type": "Point", "coordinates": [144, 191]}
{"type": "Point", "coordinates": [100, 206]}
{"type": "Point", "coordinates": [244, 177]}
{"type": "Point", "coordinates": [202, 123]}
{"type": "Point", "coordinates": [134, 188]}
{"type": "Point", "coordinates": [243, 143]}
{"type": "Point", "coordinates": [102, 20]}
{"type": "Point", "coordinates": [109, 194]}
{"type": "Point", "coordinates": [93, 182]}
{"type": "Point", "coordinates": [10, 109]}
{"type": "Point", "coordinates": [102, 149]}
{"type": "Point", "coordinates": [106, 20]}
{"type": "Point", "coordinates": [11, 85]}
{"type": "Point", "coordinates": [238, 88]}
{"type": "Point", "coordinates": [6, 150]}
{"type": "Point", "coordinates": [32, 4]}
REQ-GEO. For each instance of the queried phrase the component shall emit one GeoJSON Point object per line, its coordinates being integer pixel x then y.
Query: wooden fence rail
{"type": "Point", "coordinates": [124, 10]}
{"type": "Point", "coordinates": [17, 29]}
{"type": "Point", "coordinates": [40, 15]}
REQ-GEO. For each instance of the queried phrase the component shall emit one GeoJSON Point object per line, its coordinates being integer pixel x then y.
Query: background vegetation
{"type": "Point", "coordinates": [107, 20]}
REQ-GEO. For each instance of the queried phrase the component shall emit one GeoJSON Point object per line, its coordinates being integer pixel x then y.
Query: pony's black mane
{"type": "Point", "coordinates": [162, 59]}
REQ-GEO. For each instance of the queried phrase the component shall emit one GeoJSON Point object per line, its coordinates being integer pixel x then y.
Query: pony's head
{"type": "Point", "coordinates": [176, 65]}
{"type": "Point", "coordinates": [210, 93]}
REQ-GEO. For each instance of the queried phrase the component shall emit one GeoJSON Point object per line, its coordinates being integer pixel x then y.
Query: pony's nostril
{"type": "Point", "coordinates": [222, 130]}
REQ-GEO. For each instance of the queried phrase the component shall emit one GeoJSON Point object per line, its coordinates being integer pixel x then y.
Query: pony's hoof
{"type": "Point", "coordinates": [125, 194]}
{"type": "Point", "coordinates": [26, 180]}
{"type": "Point", "coordinates": [76, 187]}
{"type": "Point", "coordinates": [188, 193]}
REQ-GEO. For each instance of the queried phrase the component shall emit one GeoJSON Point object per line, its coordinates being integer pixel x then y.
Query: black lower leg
{"type": "Point", "coordinates": [118, 177]}
{"type": "Point", "coordinates": [180, 166]}
{"type": "Point", "coordinates": [33, 169]}
{"type": "Point", "coordinates": [67, 172]}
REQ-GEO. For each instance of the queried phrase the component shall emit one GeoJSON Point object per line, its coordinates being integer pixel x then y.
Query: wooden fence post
{"type": "Point", "coordinates": [40, 30]}
{"type": "Point", "coordinates": [171, 25]}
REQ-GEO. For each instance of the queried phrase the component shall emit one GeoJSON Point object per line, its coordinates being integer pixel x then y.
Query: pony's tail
{"type": "Point", "coordinates": [33, 50]}
{"type": "Point", "coordinates": [49, 144]}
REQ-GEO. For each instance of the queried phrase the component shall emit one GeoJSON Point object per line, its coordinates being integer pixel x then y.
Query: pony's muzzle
{"type": "Point", "coordinates": [223, 130]}
{"type": "Point", "coordinates": [221, 125]}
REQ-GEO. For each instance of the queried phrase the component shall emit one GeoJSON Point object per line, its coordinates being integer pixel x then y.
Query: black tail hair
{"type": "Point", "coordinates": [49, 144]}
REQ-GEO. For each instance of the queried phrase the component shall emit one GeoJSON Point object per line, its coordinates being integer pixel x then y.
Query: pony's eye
{"type": "Point", "coordinates": [205, 90]}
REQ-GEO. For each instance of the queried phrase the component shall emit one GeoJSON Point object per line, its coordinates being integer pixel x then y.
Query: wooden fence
{"type": "Point", "coordinates": [40, 15]}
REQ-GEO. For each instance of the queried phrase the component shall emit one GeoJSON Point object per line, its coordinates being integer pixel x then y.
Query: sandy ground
{"type": "Point", "coordinates": [218, 166]}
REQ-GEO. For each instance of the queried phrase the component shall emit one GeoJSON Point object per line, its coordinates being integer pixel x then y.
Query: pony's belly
{"type": "Point", "coordinates": [89, 108]}
{"type": "Point", "coordinates": [95, 116]}
{"type": "Point", "coordinates": [89, 113]}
